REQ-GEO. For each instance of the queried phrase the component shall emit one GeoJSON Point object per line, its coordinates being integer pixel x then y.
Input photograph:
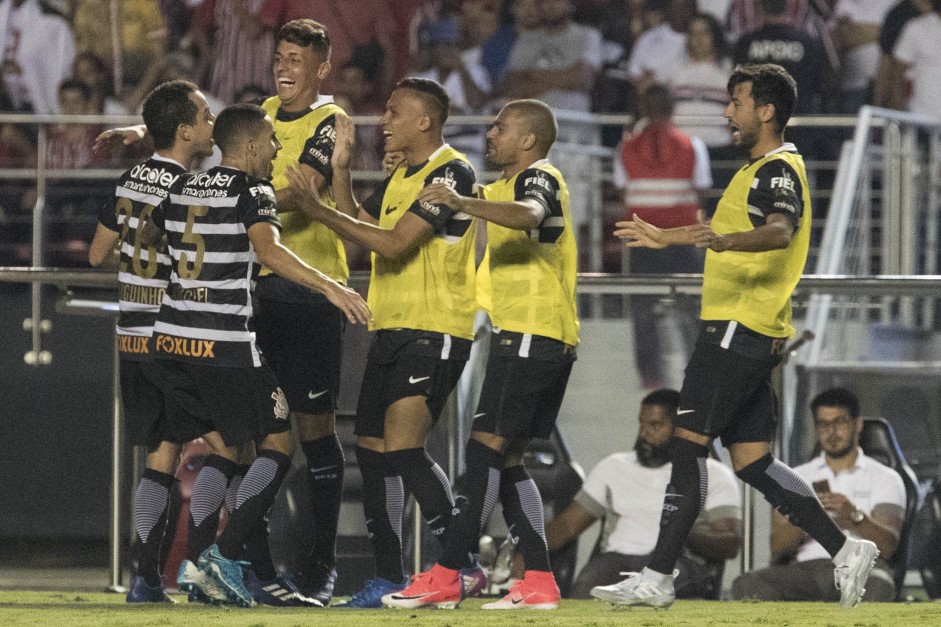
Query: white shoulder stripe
{"type": "Point", "coordinates": [206, 229]}
{"type": "Point", "coordinates": [147, 199]}
{"type": "Point", "coordinates": [225, 201]}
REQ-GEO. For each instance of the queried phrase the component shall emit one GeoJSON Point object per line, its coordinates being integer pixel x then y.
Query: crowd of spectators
{"type": "Point", "coordinates": [577, 55]}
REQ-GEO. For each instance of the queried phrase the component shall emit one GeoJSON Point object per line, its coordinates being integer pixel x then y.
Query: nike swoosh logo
{"type": "Point", "coordinates": [312, 396]}
{"type": "Point", "coordinates": [313, 470]}
{"type": "Point", "coordinates": [413, 380]}
{"type": "Point", "coordinates": [519, 600]}
{"type": "Point", "coordinates": [680, 412]}
{"type": "Point", "coordinates": [402, 597]}
{"type": "Point", "coordinates": [483, 413]}
{"type": "Point", "coordinates": [390, 210]}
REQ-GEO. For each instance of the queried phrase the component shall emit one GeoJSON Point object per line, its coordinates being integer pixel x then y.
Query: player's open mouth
{"type": "Point", "coordinates": [285, 82]}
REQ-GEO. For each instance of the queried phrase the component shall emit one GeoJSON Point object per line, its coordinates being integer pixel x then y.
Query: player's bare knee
{"type": "Point", "coordinates": [281, 442]}
{"type": "Point", "coordinates": [491, 441]}
{"type": "Point", "coordinates": [313, 426]}
{"type": "Point", "coordinates": [164, 458]}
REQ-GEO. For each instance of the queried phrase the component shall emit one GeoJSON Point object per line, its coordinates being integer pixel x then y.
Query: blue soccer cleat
{"type": "Point", "coordinates": [199, 586]}
{"type": "Point", "coordinates": [370, 597]}
{"type": "Point", "coordinates": [228, 574]}
{"type": "Point", "coordinates": [141, 592]}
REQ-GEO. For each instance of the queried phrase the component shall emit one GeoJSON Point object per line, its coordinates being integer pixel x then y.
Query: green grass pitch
{"type": "Point", "coordinates": [99, 610]}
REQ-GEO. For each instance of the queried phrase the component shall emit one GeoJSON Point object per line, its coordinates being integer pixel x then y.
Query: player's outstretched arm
{"type": "Point", "coordinates": [274, 255]}
{"type": "Point", "coordinates": [524, 214]}
{"type": "Point", "coordinates": [124, 136]}
{"type": "Point", "coordinates": [408, 234]}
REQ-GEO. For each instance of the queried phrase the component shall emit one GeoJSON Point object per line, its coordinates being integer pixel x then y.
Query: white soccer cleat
{"type": "Point", "coordinates": [643, 588]}
{"type": "Point", "coordinates": [854, 562]}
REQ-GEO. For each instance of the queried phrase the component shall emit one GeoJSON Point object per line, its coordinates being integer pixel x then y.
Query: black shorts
{"type": "Point", "coordinates": [727, 389]}
{"type": "Point", "coordinates": [240, 403]}
{"type": "Point", "coordinates": [524, 385]}
{"type": "Point", "coordinates": [302, 344]}
{"type": "Point", "coordinates": [403, 363]}
{"type": "Point", "coordinates": [145, 414]}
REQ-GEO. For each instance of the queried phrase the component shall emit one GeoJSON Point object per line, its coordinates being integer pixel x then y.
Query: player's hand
{"type": "Point", "coordinates": [127, 135]}
{"type": "Point", "coordinates": [345, 141]}
{"type": "Point", "coordinates": [839, 507]}
{"type": "Point", "coordinates": [636, 233]}
{"type": "Point", "coordinates": [441, 194]}
{"type": "Point", "coordinates": [304, 191]}
{"type": "Point", "coordinates": [349, 301]}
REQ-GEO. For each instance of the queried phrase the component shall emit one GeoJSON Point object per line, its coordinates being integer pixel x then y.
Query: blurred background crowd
{"type": "Point", "coordinates": [103, 57]}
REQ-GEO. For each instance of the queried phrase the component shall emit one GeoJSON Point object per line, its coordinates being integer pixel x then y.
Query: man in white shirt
{"type": "Point", "coordinates": [918, 52]}
{"type": "Point", "coordinates": [625, 490]}
{"type": "Point", "coordinates": [662, 49]}
{"type": "Point", "coordinates": [866, 499]}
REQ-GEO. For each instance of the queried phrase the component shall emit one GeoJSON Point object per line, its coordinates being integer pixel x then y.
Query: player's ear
{"type": "Point", "coordinates": [323, 70]}
{"type": "Point", "coordinates": [184, 132]}
{"type": "Point", "coordinates": [529, 140]}
{"type": "Point", "coordinates": [425, 123]}
{"type": "Point", "coordinates": [767, 112]}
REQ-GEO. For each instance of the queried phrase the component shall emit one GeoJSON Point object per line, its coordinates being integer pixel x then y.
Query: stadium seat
{"type": "Point", "coordinates": [878, 441]}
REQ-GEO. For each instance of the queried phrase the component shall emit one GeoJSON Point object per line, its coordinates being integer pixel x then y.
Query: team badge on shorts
{"type": "Point", "coordinates": [280, 404]}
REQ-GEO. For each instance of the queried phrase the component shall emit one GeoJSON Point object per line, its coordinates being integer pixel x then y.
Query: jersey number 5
{"type": "Point", "coordinates": [184, 269]}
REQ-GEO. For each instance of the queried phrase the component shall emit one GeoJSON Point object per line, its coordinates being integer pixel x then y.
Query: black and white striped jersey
{"type": "Point", "coordinates": [206, 314]}
{"type": "Point", "coordinates": [145, 269]}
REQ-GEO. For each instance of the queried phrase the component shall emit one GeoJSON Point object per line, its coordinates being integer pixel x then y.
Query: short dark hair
{"type": "Point", "coordinates": [836, 397]}
{"type": "Point", "coordinates": [770, 84]}
{"type": "Point", "coordinates": [305, 33]}
{"type": "Point", "coordinates": [657, 102]}
{"type": "Point", "coordinates": [166, 107]}
{"type": "Point", "coordinates": [432, 94]}
{"type": "Point", "coordinates": [73, 84]}
{"type": "Point", "coordinates": [664, 397]}
{"type": "Point", "coordinates": [236, 123]}
{"type": "Point", "coordinates": [540, 119]}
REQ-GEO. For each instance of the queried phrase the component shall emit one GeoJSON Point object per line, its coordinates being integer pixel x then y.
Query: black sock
{"type": "Point", "coordinates": [208, 494]}
{"type": "Point", "coordinates": [257, 551]}
{"type": "Point", "coordinates": [383, 501]}
{"type": "Point", "coordinates": [256, 494]}
{"type": "Point", "coordinates": [684, 499]}
{"type": "Point", "coordinates": [423, 477]}
{"type": "Point", "coordinates": [522, 509]}
{"type": "Point", "coordinates": [793, 497]}
{"type": "Point", "coordinates": [481, 491]}
{"type": "Point", "coordinates": [325, 484]}
{"type": "Point", "coordinates": [174, 508]}
{"type": "Point", "coordinates": [150, 520]}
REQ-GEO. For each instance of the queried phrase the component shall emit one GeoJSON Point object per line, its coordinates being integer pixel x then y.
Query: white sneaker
{"type": "Point", "coordinates": [854, 562]}
{"type": "Point", "coordinates": [643, 588]}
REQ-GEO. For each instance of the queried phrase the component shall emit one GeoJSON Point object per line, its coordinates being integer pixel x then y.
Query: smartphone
{"type": "Point", "coordinates": [821, 486]}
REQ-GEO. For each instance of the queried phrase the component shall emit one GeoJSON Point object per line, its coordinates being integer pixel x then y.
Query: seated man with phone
{"type": "Point", "coordinates": [865, 498]}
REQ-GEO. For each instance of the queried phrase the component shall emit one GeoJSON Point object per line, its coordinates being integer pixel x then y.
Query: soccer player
{"type": "Point", "coordinates": [300, 331]}
{"type": "Point", "coordinates": [531, 263]}
{"type": "Point", "coordinates": [421, 294]}
{"type": "Point", "coordinates": [757, 246]}
{"type": "Point", "coordinates": [220, 225]}
{"type": "Point", "coordinates": [177, 116]}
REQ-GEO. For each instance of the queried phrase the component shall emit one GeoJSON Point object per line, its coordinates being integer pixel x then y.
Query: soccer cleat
{"type": "Point", "coordinates": [199, 586]}
{"type": "Point", "coordinates": [535, 591]}
{"type": "Point", "coordinates": [643, 588]}
{"type": "Point", "coordinates": [278, 592]}
{"type": "Point", "coordinates": [141, 592]}
{"type": "Point", "coordinates": [227, 574]}
{"type": "Point", "coordinates": [370, 597]}
{"type": "Point", "coordinates": [439, 587]}
{"type": "Point", "coordinates": [854, 562]}
{"type": "Point", "coordinates": [317, 583]}
{"type": "Point", "coordinates": [473, 581]}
